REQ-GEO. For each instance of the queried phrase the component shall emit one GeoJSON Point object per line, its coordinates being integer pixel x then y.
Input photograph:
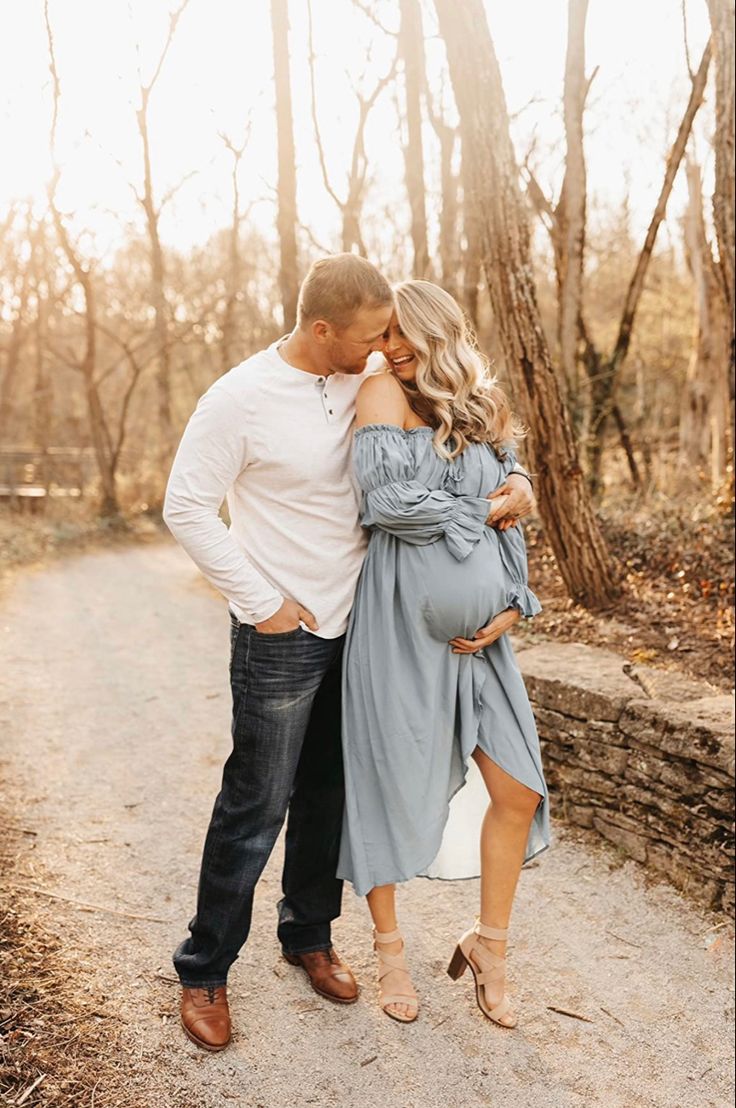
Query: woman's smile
{"type": "Point", "coordinates": [401, 361]}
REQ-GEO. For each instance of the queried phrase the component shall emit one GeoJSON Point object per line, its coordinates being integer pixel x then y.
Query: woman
{"type": "Point", "coordinates": [425, 689]}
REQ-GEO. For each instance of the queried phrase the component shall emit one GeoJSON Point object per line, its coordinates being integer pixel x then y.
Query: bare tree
{"type": "Point", "coordinates": [472, 234]}
{"type": "Point", "coordinates": [41, 279]}
{"type": "Point", "coordinates": [152, 212]}
{"type": "Point", "coordinates": [235, 260]}
{"type": "Point", "coordinates": [705, 399]}
{"type": "Point", "coordinates": [107, 435]}
{"type": "Point", "coordinates": [572, 203]}
{"type": "Point", "coordinates": [603, 370]}
{"type": "Point", "coordinates": [449, 247]}
{"type": "Point", "coordinates": [722, 23]}
{"type": "Point", "coordinates": [287, 210]}
{"type": "Point", "coordinates": [565, 506]}
{"type": "Point", "coordinates": [17, 274]}
{"type": "Point", "coordinates": [352, 206]}
{"type": "Point", "coordinates": [411, 48]}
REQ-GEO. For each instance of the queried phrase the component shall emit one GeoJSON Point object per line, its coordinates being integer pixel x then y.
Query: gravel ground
{"type": "Point", "coordinates": [114, 715]}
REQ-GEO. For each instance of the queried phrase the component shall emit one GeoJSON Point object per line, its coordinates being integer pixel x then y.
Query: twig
{"type": "Point", "coordinates": [690, 71]}
{"type": "Point", "coordinates": [627, 941]}
{"type": "Point", "coordinates": [613, 1017]}
{"type": "Point", "coordinates": [30, 1089]}
{"type": "Point", "coordinates": [368, 1061]}
{"type": "Point", "coordinates": [20, 830]}
{"type": "Point", "coordinates": [84, 907]}
{"type": "Point", "coordinates": [572, 1015]}
{"type": "Point", "coordinates": [369, 14]}
{"type": "Point", "coordinates": [168, 979]}
{"type": "Point", "coordinates": [307, 231]}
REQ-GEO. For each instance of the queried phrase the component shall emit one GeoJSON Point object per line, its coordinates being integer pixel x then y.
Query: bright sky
{"type": "Point", "coordinates": [219, 70]}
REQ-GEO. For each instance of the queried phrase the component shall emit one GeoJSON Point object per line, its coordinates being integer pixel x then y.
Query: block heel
{"type": "Point", "coordinates": [487, 969]}
{"type": "Point", "coordinates": [458, 964]}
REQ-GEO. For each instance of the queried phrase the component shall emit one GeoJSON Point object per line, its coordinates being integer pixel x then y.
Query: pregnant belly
{"type": "Point", "coordinates": [461, 597]}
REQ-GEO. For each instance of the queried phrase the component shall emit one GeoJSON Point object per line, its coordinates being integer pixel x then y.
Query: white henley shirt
{"type": "Point", "coordinates": [275, 442]}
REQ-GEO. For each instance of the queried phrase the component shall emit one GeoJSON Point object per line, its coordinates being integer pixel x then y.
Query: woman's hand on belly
{"type": "Point", "coordinates": [498, 626]}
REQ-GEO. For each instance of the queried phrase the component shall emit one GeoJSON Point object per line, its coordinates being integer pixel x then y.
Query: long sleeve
{"type": "Point", "coordinates": [512, 548]}
{"type": "Point", "coordinates": [213, 452]}
{"type": "Point", "coordinates": [395, 502]}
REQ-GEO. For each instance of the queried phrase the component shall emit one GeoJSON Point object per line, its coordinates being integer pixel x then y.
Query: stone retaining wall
{"type": "Point", "coordinates": [645, 757]}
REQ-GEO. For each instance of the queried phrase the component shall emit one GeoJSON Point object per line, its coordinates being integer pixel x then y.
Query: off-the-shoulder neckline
{"type": "Point", "coordinates": [392, 427]}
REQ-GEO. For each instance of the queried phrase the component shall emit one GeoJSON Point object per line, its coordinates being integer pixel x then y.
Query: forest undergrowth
{"type": "Point", "coordinates": [59, 1047]}
{"type": "Point", "coordinates": [676, 562]}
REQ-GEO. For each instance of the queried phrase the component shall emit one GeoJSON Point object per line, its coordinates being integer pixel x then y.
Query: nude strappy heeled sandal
{"type": "Point", "coordinates": [387, 963]}
{"type": "Point", "coordinates": [485, 967]}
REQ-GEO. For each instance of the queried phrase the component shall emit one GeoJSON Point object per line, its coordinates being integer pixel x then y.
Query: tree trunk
{"type": "Point", "coordinates": [287, 214]}
{"type": "Point", "coordinates": [449, 246]}
{"type": "Point", "coordinates": [351, 233]}
{"type": "Point", "coordinates": [351, 208]}
{"type": "Point", "coordinates": [18, 329]}
{"type": "Point", "coordinates": [99, 432]}
{"type": "Point", "coordinates": [18, 334]}
{"type": "Point", "coordinates": [602, 372]}
{"type": "Point", "coordinates": [703, 419]}
{"type": "Point", "coordinates": [448, 243]}
{"type": "Point", "coordinates": [158, 294]}
{"type": "Point", "coordinates": [603, 385]}
{"type": "Point", "coordinates": [472, 236]}
{"type": "Point", "coordinates": [42, 394]}
{"type": "Point", "coordinates": [411, 47]}
{"type": "Point", "coordinates": [227, 346]}
{"type": "Point", "coordinates": [570, 523]}
{"type": "Point", "coordinates": [722, 23]}
{"type": "Point", "coordinates": [571, 209]}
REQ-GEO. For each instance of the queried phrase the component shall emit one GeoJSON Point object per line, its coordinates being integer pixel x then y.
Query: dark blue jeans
{"type": "Point", "coordinates": [286, 756]}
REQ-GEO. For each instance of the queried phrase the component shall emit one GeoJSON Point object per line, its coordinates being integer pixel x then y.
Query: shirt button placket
{"type": "Point", "coordinates": [326, 404]}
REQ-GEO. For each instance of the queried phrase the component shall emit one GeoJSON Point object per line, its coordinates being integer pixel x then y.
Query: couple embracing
{"type": "Point", "coordinates": [372, 568]}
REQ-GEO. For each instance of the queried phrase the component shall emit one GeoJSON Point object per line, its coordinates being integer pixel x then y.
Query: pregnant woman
{"type": "Point", "coordinates": [430, 675]}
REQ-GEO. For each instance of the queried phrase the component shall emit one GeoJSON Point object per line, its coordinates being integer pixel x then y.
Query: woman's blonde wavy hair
{"type": "Point", "coordinates": [454, 390]}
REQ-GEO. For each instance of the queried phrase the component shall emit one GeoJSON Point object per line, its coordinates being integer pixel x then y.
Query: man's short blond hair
{"type": "Point", "coordinates": [337, 287]}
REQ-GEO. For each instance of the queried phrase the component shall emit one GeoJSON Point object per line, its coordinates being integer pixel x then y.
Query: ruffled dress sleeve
{"type": "Point", "coordinates": [384, 463]}
{"type": "Point", "coordinates": [512, 548]}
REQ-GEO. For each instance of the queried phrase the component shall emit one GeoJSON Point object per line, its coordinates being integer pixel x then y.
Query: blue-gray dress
{"type": "Point", "coordinates": [414, 711]}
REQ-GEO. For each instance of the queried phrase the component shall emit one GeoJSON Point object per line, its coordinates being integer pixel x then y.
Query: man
{"type": "Point", "coordinates": [273, 436]}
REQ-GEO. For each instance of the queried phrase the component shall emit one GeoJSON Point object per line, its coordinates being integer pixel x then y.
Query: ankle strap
{"type": "Point", "coordinates": [386, 936]}
{"type": "Point", "coordinates": [499, 933]}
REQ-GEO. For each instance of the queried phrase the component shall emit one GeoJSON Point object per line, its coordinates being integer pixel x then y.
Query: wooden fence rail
{"type": "Point", "coordinates": [28, 477]}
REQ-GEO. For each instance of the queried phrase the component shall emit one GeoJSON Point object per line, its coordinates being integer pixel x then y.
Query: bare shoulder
{"type": "Point", "coordinates": [381, 399]}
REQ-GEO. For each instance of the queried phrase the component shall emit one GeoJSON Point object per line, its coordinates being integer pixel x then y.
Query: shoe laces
{"type": "Point", "coordinates": [210, 990]}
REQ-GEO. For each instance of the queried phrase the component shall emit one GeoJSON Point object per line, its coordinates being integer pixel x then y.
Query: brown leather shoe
{"type": "Point", "coordinates": [205, 1017]}
{"type": "Point", "coordinates": [328, 975]}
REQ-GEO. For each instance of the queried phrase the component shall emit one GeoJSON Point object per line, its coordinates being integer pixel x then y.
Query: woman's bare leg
{"type": "Point", "coordinates": [503, 839]}
{"type": "Point", "coordinates": [382, 905]}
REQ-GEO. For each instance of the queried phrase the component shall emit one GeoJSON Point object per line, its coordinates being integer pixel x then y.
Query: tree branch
{"type": "Point", "coordinates": [370, 14]}
{"type": "Point", "coordinates": [315, 120]}
{"type": "Point", "coordinates": [636, 284]}
{"type": "Point", "coordinates": [174, 18]}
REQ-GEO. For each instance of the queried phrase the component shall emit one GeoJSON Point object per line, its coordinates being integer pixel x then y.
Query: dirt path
{"type": "Point", "coordinates": [114, 717]}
